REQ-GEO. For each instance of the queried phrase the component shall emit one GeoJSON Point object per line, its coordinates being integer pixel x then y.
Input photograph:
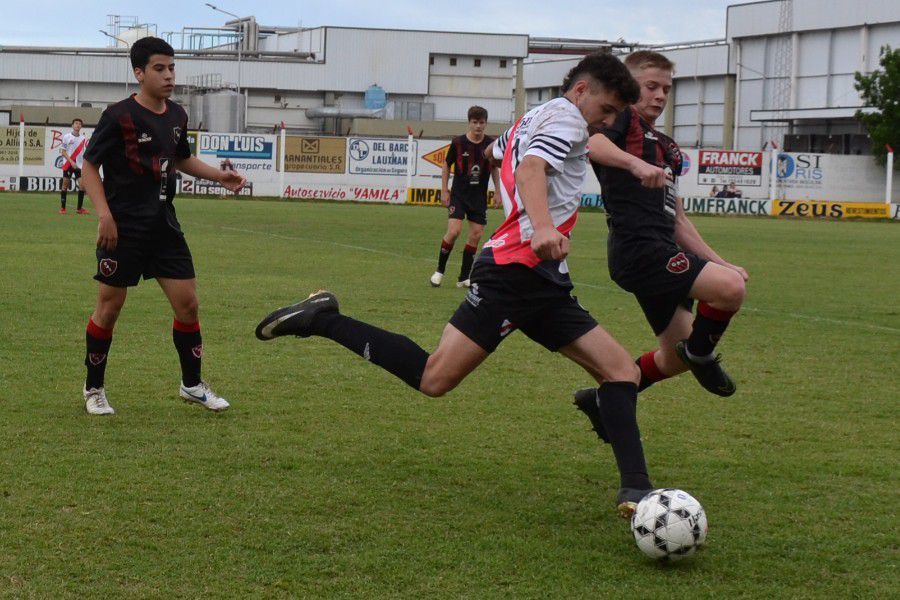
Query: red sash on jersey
{"type": "Point", "coordinates": [74, 156]}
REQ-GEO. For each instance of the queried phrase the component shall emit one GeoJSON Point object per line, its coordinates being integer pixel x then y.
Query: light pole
{"type": "Point", "coordinates": [240, 41]}
{"type": "Point", "coordinates": [127, 61]}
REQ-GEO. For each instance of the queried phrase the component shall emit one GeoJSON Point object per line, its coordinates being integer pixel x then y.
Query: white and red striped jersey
{"type": "Point", "coordinates": [557, 133]}
{"type": "Point", "coordinates": [74, 146]}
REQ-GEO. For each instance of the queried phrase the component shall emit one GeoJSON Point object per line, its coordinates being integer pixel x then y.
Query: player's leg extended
{"type": "Point", "coordinates": [476, 230]}
{"type": "Point", "coordinates": [433, 375]}
{"type": "Point", "coordinates": [62, 194]}
{"type": "Point", "coordinates": [454, 227]}
{"type": "Point", "coordinates": [611, 366]}
{"type": "Point", "coordinates": [721, 292]}
{"type": "Point", "coordinates": [98, 339]}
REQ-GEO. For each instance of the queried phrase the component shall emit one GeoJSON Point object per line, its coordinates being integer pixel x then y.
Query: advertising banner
{"type": "Point", "coordinates": [34, 145]}
{"type": "Point", "coordinates": [249, 153]}
{"type": "Point", "coordinates": [721, 167]}
{"type": "Point", "coordinates": [351, 193]}
{"type": "Point", "coordinates": [727, 206]}
{"type": "Point", "coordinates": [371, 156]}
{"type": "Point", "coordinates": [831, 210]}
{"type": "Point", "coordinates": [315, 155]}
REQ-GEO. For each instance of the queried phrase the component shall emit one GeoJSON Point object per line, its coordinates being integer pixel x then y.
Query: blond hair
{"type": "Point", "coordinates": [648, 59]}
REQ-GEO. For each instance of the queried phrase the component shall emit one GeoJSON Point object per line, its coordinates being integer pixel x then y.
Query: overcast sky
{"type": "Point", "coordinates": [61, 23]}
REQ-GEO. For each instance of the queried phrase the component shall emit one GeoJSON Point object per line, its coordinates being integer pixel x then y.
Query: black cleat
{"type": "Point", "coordinates": [586, 402]}
{"type": "Point", "coordinates": [297, 318]}
{"type": "Point", "coordinates": [627, 500]}
{"type": "Point", "coordinates": [709, 373]}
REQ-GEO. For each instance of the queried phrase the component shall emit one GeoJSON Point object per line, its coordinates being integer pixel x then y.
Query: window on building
{"type": "Point", "coordinates": [502, 63]}
{"type": "Point", "coordinates": [453, 62]}
{"type": "Point", "coordinates": [431, 60]}
{"type": "Point", "coordinates": [477, 62]}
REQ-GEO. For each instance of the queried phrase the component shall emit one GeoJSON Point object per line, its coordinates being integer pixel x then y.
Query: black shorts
{"type": "Point", "coordinates": [462, 207]}
{"type": "Point", "coordinates": [71, 172]}
{"type": "Point", "coordinates": [661, 278]}
{"type": "Point", "coordinates": [165, 254]}
{"type": "Point", "coordinates": [504, 298]}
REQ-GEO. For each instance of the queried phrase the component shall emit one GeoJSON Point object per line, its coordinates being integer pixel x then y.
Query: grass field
{"type": "Point", "coordinates": [329, 478]}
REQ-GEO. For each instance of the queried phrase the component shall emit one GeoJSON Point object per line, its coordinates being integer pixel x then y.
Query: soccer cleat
{"type": "Point", "coordinates": [95, 402]}
{"type": "Point", "coordinates": [83, 211]}
{"type": "Point", "coordinates": [202, 395]}
{"type": "Point", "coordinates": [627, 500]}
{"type": "Point", "coordinates": [436, 279]}
{"type": "Point", "coordinates": [62, 211]}
{"type": "Point", "coordinates": [707, 371]}
{"type": "Point", "coordinates": [297, 318]}
{"type": "Point", "coordinates": [586, 402]}
{"type": "Point", "coordinates": [463, 283]}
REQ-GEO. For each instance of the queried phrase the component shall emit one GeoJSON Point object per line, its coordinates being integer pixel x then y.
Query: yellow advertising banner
{"type": "Point", "coordinates": [830, 210]}
{"type": "Point", "coordinates": [34, 145]}
{"type": "Point", "coordinates": [432, 196]}
{"type": "Point", "coordinates": [315, 155]}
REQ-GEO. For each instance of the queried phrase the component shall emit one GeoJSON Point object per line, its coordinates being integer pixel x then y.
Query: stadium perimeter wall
{"type": "Point", "coordinates": [373, 169]}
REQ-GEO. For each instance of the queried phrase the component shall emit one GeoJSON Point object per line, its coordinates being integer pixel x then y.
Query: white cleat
{"type": "Point", "coordinates": [205, 397]}
{"type": "Point", "coordinates": [463, 284]}
{"type": "Point", "coordinates": [95, 402]}
{"type": "Point", "coordinates": [436, 279]}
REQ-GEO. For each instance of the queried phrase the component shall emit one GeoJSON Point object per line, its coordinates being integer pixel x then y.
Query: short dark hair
{"type": "Point", "coordinates": [477, 113]}
{"type": "Point", "coordinates": [144, 48]}
{"type": "Point", "coordinates": [77, 119]}
{"type": "Point", "coordinates": [647, 59]}
{"type": "Point", "coordinates": [604, 68]}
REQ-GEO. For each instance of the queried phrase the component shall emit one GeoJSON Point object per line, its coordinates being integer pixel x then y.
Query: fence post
{"type": "Point", "coordinates": [889, 185]}
{"type": "Point", "coordinates": [21, 145]}
{"type": "Point", "coordinates": [773, 173]}
{"type": "Point", "coordinates": [281, 153]}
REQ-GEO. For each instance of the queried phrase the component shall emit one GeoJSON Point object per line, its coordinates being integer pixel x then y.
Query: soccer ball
{"type": "Point", "coordinates": [669, 524]}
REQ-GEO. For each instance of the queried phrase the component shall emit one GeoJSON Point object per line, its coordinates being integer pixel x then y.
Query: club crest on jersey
{"type": "Point", "coordinates": [108, 266]}
{"type": "Point", "coordinates": [678, 264]}
{"type": "Point", "coordinates": [96, 358]}
{"type": "Point", "coordinates": [197, 351]}
{"type": "Point", "coordinates": [506, 328]}
{"type": "Point", "coordinates": [176, 131]}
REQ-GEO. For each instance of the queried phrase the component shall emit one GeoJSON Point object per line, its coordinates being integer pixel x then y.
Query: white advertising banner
{"type": "Point", "coordinates": [376, 156]}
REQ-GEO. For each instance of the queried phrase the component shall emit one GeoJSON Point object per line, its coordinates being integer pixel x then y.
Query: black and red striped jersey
{"type": "Point", "coordinates": [634, 213]}
{"type": "Point", "coordinates": [471, 168]}
{"type": "Point", "coordinates": [137, 149]}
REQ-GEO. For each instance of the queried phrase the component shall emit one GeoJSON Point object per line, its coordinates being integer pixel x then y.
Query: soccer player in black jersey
{"type": "Point", "coordinates": [654, 251]}
{"type": "Point", "coordinates": [472, 169]}
{"type": "Point", "coordinates": [140, 142]}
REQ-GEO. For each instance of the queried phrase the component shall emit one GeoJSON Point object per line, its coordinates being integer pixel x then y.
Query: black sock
{"type": "Point", "coordinates": [97, 341]}
{"type": "Point", "coordinates": [618, 408]}
{"type": "Point", "coordinates": [446, 249]}
{"type": "Point", "coordinates": [189, 345]}
{"type": "Point", "coordinates": [393, 352]}
{"type": "Point", "coordinates": [80, 199]}
{"type": "Point", "coordinates": [62, 199]}
{"type": "Point", "coordinates": [709, 325]}
{"type": "Point", "coordinates": [467, 260]}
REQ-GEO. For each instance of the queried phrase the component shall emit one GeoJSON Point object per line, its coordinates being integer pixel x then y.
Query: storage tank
{"type": "Point", "coordinates": [375, 97]}
{"type": "Point", "coordinates": [223, 111]}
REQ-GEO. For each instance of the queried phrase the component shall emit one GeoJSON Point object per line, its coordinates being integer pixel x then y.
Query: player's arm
{"type": "Point", "coordinates": [495, 177]}
{"type": "Point", "coordinates": [603, 151]}
{"type": "Point", "coordinates": [687, 236]}
{"type": "Point", "coordinates": [445, 184]}
{"type": "Point", "coordinates": [107, 232]}
{"type": "Point", "coordinates": [193, 166]}
{"type": "Point", "coordinates": [67, 157]}
{"type": "Point", "coordinates": [531, 182]}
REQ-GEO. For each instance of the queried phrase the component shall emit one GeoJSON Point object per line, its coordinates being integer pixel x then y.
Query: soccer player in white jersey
{"type": "Point", "coordinates": [72, 150]}
{"type": "Point", "coordinates": [520, 280]}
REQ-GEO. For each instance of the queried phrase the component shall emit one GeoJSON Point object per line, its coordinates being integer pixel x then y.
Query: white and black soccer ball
{"type": "Point", "coordinates": [669, 524]}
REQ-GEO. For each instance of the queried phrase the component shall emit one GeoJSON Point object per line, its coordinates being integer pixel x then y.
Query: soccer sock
{"type": "Point", "coordinates": [617, 401]}
{"type": "Point", "coordinates": [650, 372]}
{"type": "Point", "coordinates": [80, 199]}
{"type": "Point", "coordinates": [467, 260]}
{"type": "Point", "coordinates": [97, 341]}
{"type": "Point", "coordinates": [62, 199]}
{"type": "Point", "coordinates": [709, 325]}
{"type": "Point", "coordinates": [189, 345]}
{"type": "Point", "coordinates": [394, 353]}
{"type": "Point", "coordinates": [446, 248]}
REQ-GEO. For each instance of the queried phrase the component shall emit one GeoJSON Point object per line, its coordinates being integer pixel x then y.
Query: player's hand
{"type": "Point", "coordinates": [232, 181]}
{"type": "Point", "coordinates": [445, 197]}
{"type": "Point", "coordinates": [649, 175]}
{"type": "Point", "coordinates": [107, 233]}
{"type": "Point", "coordinates": [550, 244]}
{"type": "Point", "coordinates": [740, 270]}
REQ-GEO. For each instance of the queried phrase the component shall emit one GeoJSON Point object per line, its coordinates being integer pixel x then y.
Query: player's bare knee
{"type": "Point", "coordinates": [732, 293]}
{"type": "Point", "coordinates": [435, 387]}
{"type": "Point", "coordinates": [623, 371]}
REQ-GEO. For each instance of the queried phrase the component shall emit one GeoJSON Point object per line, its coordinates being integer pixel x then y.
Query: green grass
{"type": "Point", "coordinates": [329, 478]}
